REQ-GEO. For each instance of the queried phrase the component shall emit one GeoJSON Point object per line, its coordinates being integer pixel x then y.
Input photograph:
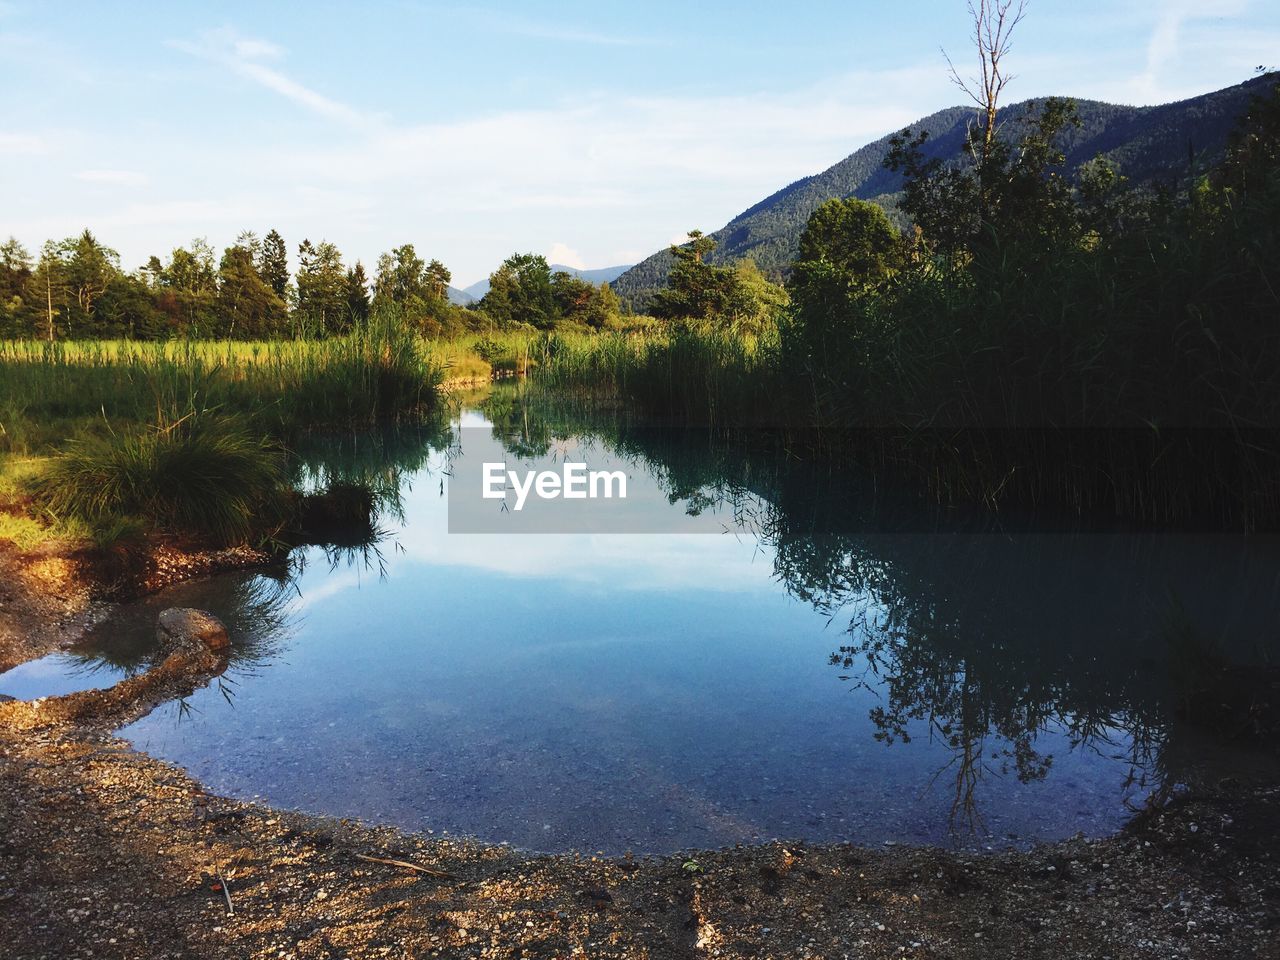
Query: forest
{"type": "Point", "coordinates": [76, 289]}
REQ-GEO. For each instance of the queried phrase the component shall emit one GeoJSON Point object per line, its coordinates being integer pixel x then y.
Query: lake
{"type": "Point", "coordinates": [766, 662]}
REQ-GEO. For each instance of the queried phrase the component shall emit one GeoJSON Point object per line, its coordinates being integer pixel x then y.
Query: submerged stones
{"type": "Point", "coordinates": [187, 627]}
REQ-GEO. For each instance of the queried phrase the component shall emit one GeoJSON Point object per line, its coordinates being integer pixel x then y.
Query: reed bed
{"type": "Point", "coordinates": [190, 437]}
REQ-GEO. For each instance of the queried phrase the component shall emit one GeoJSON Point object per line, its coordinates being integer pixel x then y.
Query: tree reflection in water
{"type": "Point", "coordinates": [982, 633]}
{"type": "Point", "coordinates": [997, 639]}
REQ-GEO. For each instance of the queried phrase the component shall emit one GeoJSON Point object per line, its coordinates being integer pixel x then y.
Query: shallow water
{"type": "Point", "coordinates": [659, 691]}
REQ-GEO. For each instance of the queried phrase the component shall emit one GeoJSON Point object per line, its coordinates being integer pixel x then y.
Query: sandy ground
{"type": "Point", "coordinates": [106, 852]}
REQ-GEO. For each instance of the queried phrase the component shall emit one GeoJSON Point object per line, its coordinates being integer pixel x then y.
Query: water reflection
{"type": "Point", "coordinates": [986, 633]}
{"type": "Point", "coordinates": [257, 607]}
{"type": "Point", "coordinates": [848, 665]}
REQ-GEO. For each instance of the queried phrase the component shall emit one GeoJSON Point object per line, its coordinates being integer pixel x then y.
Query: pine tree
{"type": "Point", "coordinates": [273, 264]}
{"type": "Point", "coordinates": [358, 292]}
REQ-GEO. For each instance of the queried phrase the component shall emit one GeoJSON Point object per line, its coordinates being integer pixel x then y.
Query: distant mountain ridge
{"type": "Point", "coordinates": [1147, 144]}
{"type": "Point", "coordinates": [597, 276]}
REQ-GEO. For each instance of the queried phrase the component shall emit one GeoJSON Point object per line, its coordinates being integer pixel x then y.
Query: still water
{"type": "Point", "coordinates": [773, 671]}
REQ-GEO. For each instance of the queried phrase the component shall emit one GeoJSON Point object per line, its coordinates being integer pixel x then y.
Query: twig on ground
{"type": "Point", "coordinates": [407, 865]}
{"type": "Point", "coordinates": [226, 889]}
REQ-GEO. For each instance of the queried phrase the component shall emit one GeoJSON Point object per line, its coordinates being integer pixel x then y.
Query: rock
{"type": "Point", "coordinates": [183, 626]}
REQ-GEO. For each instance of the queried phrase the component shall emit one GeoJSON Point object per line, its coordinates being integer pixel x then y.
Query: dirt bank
{"type": "Point", "coordinates": [106, 852]}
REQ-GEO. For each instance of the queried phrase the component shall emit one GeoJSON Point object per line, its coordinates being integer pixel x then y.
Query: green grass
{"type": "Point", "coordinates": [204, 475]}
{"type": "Point", "coordinates": [186, 437]}
{"type": "Point", "coordinates": [52, 392]}
{"type": "Point", "coordinates": [690, 372]}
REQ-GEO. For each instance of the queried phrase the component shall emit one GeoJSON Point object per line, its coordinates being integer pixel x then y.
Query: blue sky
{"type": "Point", "coordinates": [592, 133]}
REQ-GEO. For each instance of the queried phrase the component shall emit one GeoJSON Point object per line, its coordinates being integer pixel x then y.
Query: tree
{"type": "Point", "coordinates": [419, 289]}
{"type": "Point", "coordinates": [358, 292]}
{"type": "Point", "coordinates": [993, 25]}
{"type": "Point", "coordinates": [401, 276]}
{"type": "Point", "coordinates": [852, 237]}
{"type": "Point", "coordinates": [322, 290]}
{"type": "Point", "coordinates": [437, 278]}
{"type": "Point", "coordinates": [90, 267]}
{"type": "Point", "coordinates": [1018, 199]}
{"type": "Point", "coordinates": [605, 308]}
{"type": "Point", "coordinates": [695, 289]}
{"type": "Point", "coordinates": [48, 286]}
{"type": "Point", "coordinates": [753, 302]}
{"type": "Point", "coordinates": [127, 308]}
{"type": "Point", "coordinates": [520, 292]}
{"type": "Point", "coordinates": [16, 311]}
{"type": "Point", "coordinates": [189, 287]}
{"type": "Point", "coordinates": [250, 242]}
{"type": "Point", "coordinates": [573, 296]}
{"type": "Point", "coordinates": [273, 264]}
{"type": "Point", "coordinates": [246, 306]}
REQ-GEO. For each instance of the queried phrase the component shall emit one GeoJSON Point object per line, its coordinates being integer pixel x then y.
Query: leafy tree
{"type": "Point", "coordinates": [754, 301]}
{"type": "Point", "coordinates": [520, 292]}
{"type": "Point", "coordinates": [89, 268]}
{"type": "Point", "coordinates": [737, 297]}
{"type": "Point", "coordinates": [695, 290]}
{"type": "Point", "coordinates": [573, 296]}
{"type": "Point", "coordinates": [852, 238]}
{"type": "Point", "coordinates": [16, 308]}
{"type": "Point", "coordinates": [127, 308]}
{"type": "Point", "coordinates": [419, 288]}
{"type": "Point", "coordinates": [189, 288]}
{"type": "Point", "coordinates": [401, 276]}
{"type": "Point", "coordinates": [437, 278]}
{"type": "Point", "coordinates": [246, 306]}
{"type": "Point", "coordinates": [322, 290]}
{"type": "Point", "coordinates": [1015, 198]}
{"type": "Point", "coordinates": [605, 308]}
{"type": "Point", "coordinates": [848, 250]}
{"type": "Point", "coordinates": [273, 264]}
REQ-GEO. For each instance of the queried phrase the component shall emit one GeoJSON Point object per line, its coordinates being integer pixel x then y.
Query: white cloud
{"type": "Point", "coordinates": [1182, 24]}
{"type": "Point", "coordinates": [251, 48]}
{"type": "Point", "coordinates": [242, 54]}
{"type": "Point", "coordinates": [123, 178]}
{"type": "Point", "coordinates": [601, 173]}
{"type": "Point", "coordinates": [566, 256]}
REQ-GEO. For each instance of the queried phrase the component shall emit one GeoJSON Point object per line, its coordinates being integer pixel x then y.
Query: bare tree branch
{"type": "Point", "coordinates": [993, 24]}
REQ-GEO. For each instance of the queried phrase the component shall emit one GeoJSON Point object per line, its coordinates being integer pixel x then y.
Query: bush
{"type": "Point", "coordinates": [204, 476]}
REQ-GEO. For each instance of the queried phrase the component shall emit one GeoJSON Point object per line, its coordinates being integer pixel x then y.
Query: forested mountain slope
{"type": "Point", "coordinates": [1165, 143]}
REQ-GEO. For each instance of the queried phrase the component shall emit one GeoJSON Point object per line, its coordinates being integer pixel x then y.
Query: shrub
{"type": "Point", "coordinates": [204, 475]}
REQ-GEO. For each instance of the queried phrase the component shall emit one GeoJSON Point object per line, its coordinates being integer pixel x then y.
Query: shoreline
{"type": "Point", "coordinates": [106, 851]}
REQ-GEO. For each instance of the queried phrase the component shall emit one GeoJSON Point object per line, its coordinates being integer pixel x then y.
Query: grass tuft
{"type": "Point", "coordinates": [204, 475]}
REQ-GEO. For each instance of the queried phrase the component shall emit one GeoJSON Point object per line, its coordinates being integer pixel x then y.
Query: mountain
{"type": "Point", "coordinates": [1147, 144]}
{"type": "Point", "coordinates": [478, 289]}
{"type": "Point", "coordinates": [598, 276]}
{"type": "Point", "coordinates": [460, 298]}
